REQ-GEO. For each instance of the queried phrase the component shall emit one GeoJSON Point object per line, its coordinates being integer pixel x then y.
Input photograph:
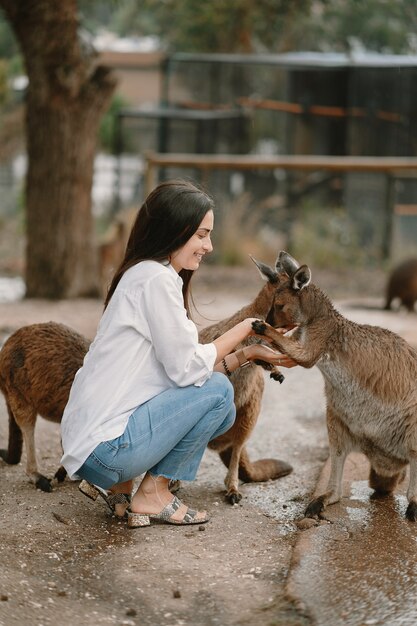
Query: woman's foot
{"type": "Point", "coordinates": [117, 499]}
{"type": "Point", "coordinates": [124, 490]}
{"type": "Point", "coordinates": [154, 496]}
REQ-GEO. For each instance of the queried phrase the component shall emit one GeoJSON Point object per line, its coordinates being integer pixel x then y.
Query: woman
{"type": "Point", "coordinates": [149, 397]}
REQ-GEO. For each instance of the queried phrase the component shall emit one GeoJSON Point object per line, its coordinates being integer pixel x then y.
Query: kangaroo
{"type": "Point", "coordinates": [248, 384]}
{"type": "Point", "coordinates": [38, 364]}
{"type": "Point", "coordinates": [402, 284]}
{"type": "Point", "coordinates": [370, 378]}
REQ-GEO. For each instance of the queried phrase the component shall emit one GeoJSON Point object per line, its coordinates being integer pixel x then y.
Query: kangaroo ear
{"type": "Point", "coordinates": [301, 278]}
{"type": "Point", "coordinates": [285, 263]}
{"type": "Point", "coordinates": [265, 271]}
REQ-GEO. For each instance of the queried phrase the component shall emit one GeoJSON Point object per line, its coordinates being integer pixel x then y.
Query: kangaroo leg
{"type": "Point", "coordinates": [232, 480]}
{"type": "Point", "coordinates": [61, 472]}
{"type": "Point", "coordinates": [409, 304]}
{"type": "Point", "coordinates": [26, 419]}
{"type": "Point", "coordinates": [14, 452]}
{"type": "Point", "coordinates": [246, 418]}
{"type": "Point", "coordinates": [411, 513]}
{"type": "Point", "coordinates": [40, 481]}
{"type": "Point", "coordinates": [334, 487]}
{"type": "Point", "coordinates": [340, 444]}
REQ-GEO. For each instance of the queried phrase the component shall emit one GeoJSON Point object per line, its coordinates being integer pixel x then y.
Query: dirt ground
{"type": "Point", "coordinates": [64, 558]}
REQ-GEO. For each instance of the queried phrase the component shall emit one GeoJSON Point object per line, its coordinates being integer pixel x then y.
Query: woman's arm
{"type": "Point", "coordinates": [230, 339]}
{"type": "Point", "coordinates": [233, 337]}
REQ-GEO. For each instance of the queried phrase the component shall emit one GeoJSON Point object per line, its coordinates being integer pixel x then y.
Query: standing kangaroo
{"type": "Point", "coordinates": [38, 364]}
{"type": "Point", "coordinates": [370, 383]}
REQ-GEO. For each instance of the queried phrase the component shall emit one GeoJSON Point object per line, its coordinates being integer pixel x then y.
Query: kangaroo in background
{"type": "Point", "coordinates": [38, 363]}
{"type": "Point", "coordinates": [402, 284]}
{"type": "Point", "coordinates": [370, 378]}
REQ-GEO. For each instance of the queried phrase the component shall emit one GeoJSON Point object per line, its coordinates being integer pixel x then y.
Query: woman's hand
{"type": "Point", "coordinates": [259, 352]}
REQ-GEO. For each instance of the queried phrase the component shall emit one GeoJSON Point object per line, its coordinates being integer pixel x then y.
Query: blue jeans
{"type": "Point", "coordinates": [165, 436]}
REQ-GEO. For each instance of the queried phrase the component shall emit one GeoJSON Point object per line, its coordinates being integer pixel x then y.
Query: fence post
{"type": "Point", "coordinates": [389, 216]}
{"type": "Point", "coordinates": [150, 176]}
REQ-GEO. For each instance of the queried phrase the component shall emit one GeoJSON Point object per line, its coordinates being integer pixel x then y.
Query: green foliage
{"type": "Point", "coordinates": [262, 25]}
{"type": "Point", "coordinates": [107, 126]}
{"type": "Point", "coordinates": [327, 238]}
{"type": "Point", "coordinates": [94, 15]}
{"type": "Point", "coordinates": [377, 25]}
{"type": "Point", "coordinates": [15, 66]}
{"type": "Point", "coordinates": [4, 87]}
{"type": "Point", "coordinates": [213, 26]}
{"type": "Point", "coordinates": [8, 44]}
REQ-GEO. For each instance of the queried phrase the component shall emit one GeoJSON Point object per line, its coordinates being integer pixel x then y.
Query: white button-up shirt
{"type": "Point", "coordinates": [145, 344]}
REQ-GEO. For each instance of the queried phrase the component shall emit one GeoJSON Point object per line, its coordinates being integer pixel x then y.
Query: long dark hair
{"type": "Point", "coordinates": [167, 219]}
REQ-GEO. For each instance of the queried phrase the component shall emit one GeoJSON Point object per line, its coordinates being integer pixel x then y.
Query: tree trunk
{"type": "Point", "coordinates": [66, 97]}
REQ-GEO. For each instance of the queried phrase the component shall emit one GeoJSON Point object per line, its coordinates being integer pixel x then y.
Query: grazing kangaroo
{"type": "Point", "coordinates": [370, 378]}
{"type": "Point", "coordinates": [38, 364]}
{"type": "Point", "coordinates": [402, 284]}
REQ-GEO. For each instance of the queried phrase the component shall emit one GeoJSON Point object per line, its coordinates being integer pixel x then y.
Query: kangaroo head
{"type": "Point", "coordinates": [287, 308]}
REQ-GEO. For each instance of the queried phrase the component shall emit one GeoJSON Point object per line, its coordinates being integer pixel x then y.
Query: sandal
{"type": "Point", "coordinates": [111, 499]}
{"type": "Point", "coordinates": [135, 520]}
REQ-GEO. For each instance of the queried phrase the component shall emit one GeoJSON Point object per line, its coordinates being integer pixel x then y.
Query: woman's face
{"type": "Point", "coordinates": [190, 255]}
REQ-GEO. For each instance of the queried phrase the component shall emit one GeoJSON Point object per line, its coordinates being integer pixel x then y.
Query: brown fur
{"type": "Point", "coordinates": [249, 385]}
{"type": "Point", "coordinates": [370, 384]}
{"type": "Point", "coordinates": [38, 364]}
{"type": "Point", "coordinates": [402, 284]}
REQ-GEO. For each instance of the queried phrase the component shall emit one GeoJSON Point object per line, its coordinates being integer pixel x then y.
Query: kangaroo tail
{"type": "Point", "coordinates": [384, 485]}
{"type": "Point", "coordinates": [14, 452]}
{"type": "Point", "coordinates": [257, 471]}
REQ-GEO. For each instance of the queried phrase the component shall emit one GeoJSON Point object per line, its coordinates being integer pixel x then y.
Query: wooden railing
{"type": "Point", "coordinates": [391, 167]}
{"type": "Point", "coordinates": [207, 162]}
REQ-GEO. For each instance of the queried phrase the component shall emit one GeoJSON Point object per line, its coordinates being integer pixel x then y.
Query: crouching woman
{"type": "Point", "coordinates": [149, 397]}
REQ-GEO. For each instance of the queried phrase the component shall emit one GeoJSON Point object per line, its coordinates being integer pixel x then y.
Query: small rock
{"type": "Point", "coordinates": [3, 597]}
{"type": "Point", "coordinates": [131, 612]}
{"type": "Point", "coordinates": [61, 594]}
{"type": "Point", "coordinates": [202, 528]}
{"type": "Point", "coordinates": [306, 522]}
{"type": "Point", "coordinates": [176, 593]}
{"type": "Point", "coordinates": [60, 518]}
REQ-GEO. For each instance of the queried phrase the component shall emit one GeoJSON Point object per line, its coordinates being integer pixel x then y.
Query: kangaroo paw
{"type": "Point", "coordinates": [174, 486]}
{"type": "Point", "coordinates": [277, 376]}
{"type": "Point", "coordinates": [259, 327]}
{"type": "Point", "coordinates": [60, 474]}
{"type": "Point", "coordinates": [411, 512]}
{"type": "Point", "coordinates": [233, 497]}
{"type": "Point", "coordinates": [43, 483]}
{"type": "Point", "coordinates": [316, 507]}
